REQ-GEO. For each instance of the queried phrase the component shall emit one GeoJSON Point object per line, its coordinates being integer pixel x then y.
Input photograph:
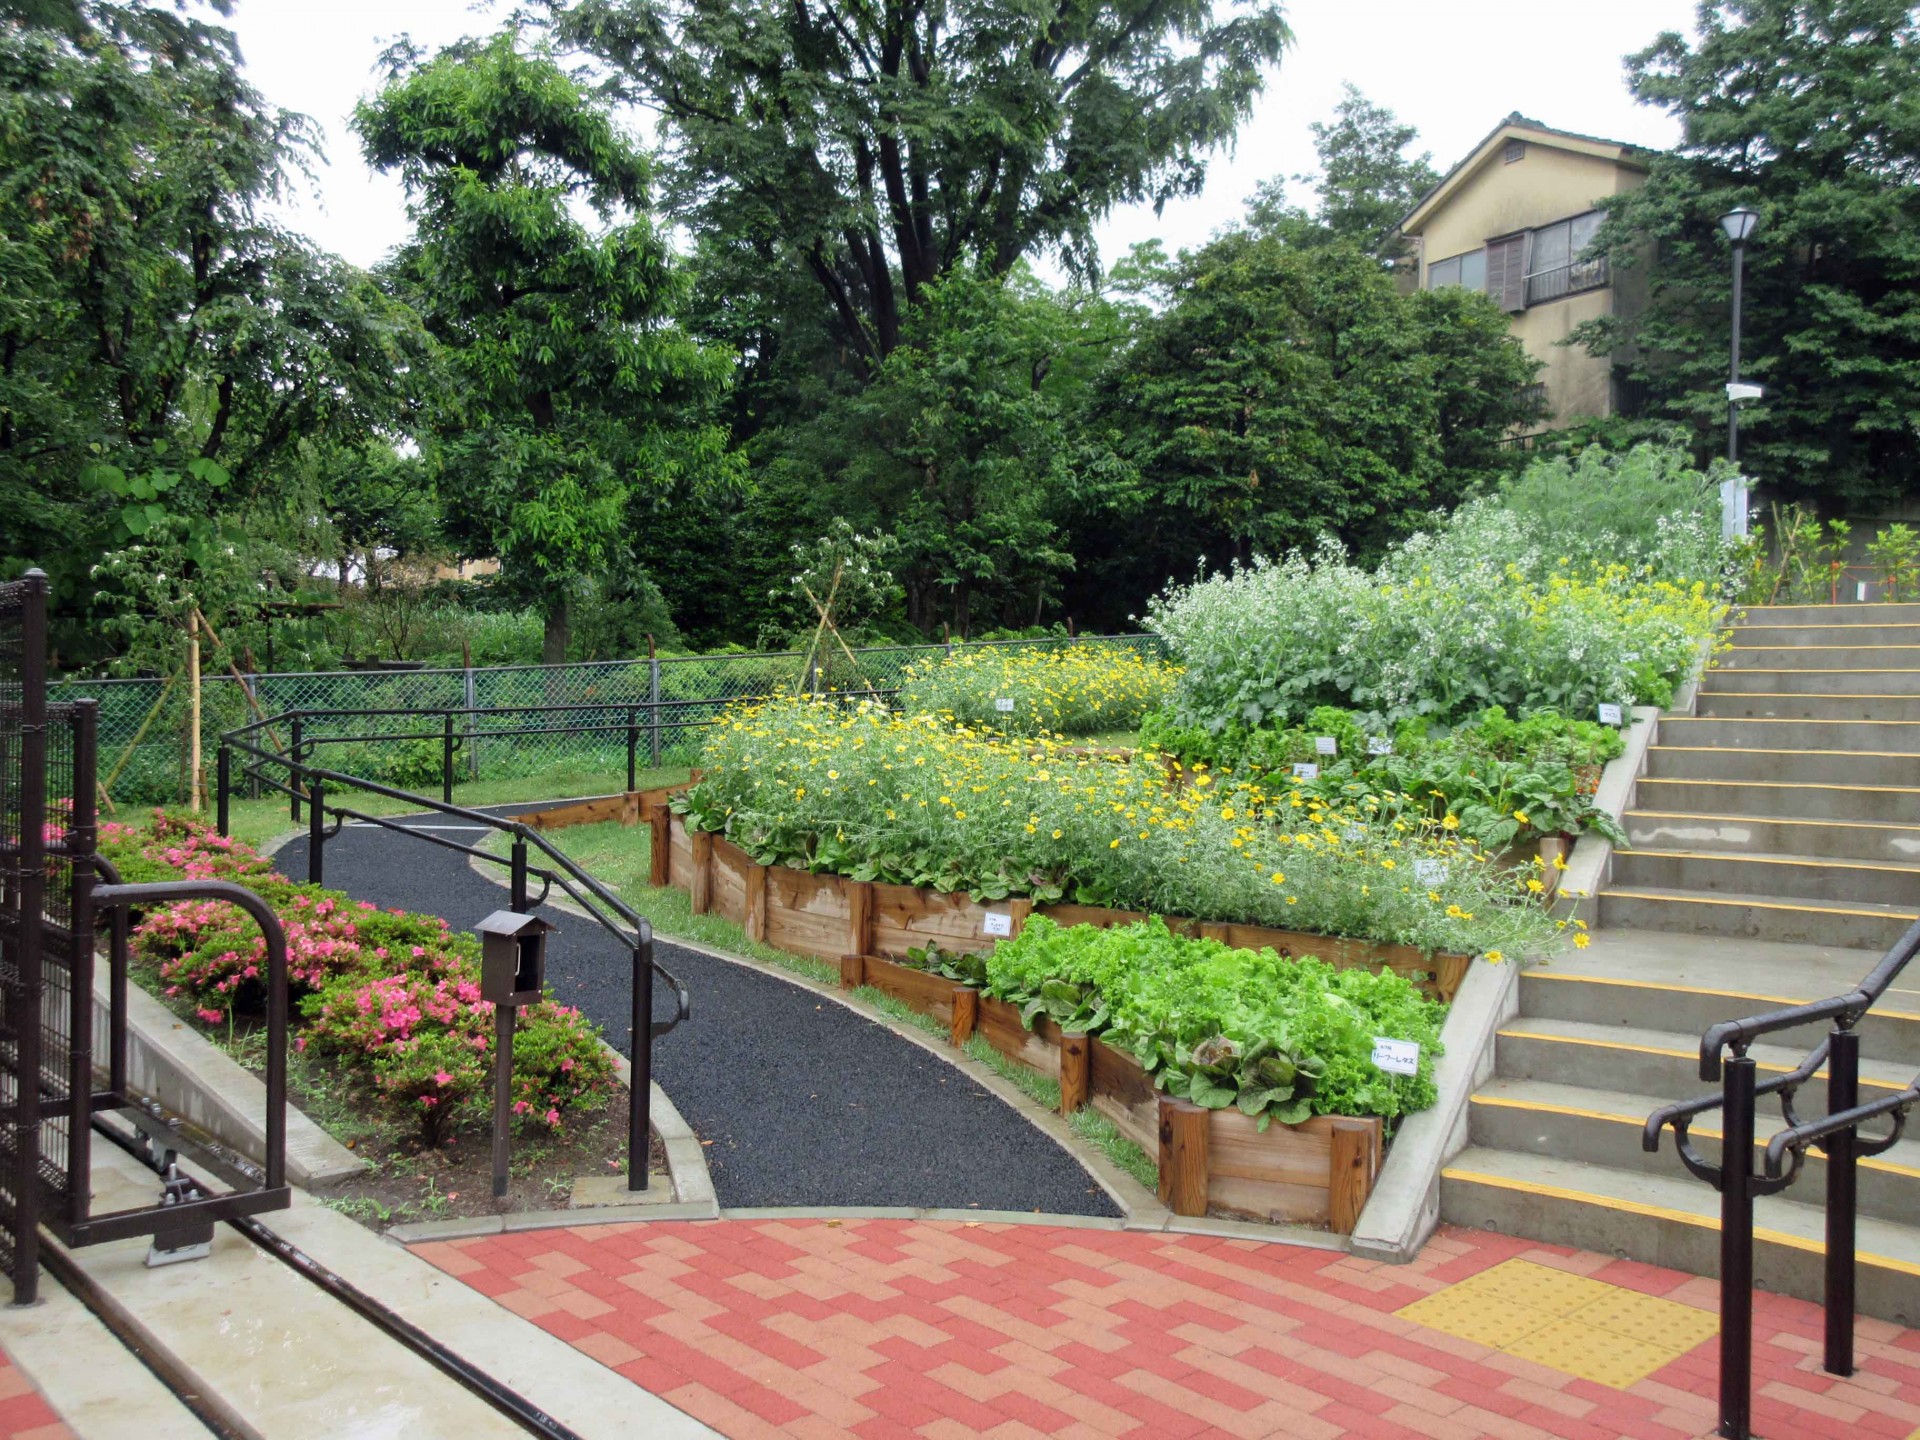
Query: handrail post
{"type": "Point", "coordinates": [1843, 1093]}
{"type": "Point", "coordinates": [293, 769]}
{"type": "Point", "coordinates": [640, 1091]}
{"type": "Point", "coordinates": [518, 882]}
{"type": "Point", "coordinates": [316, 829]}
{"type": "Point", "coordinates": [633, 749]}
{"type": "Point", "coordinates": [653, 709]}
{"type": "Point", "coordinates": [1736, 1248]}
{"type": "Point", "coordinates": [446, 756]}
{"type": "Point", "coordinates": [223, 786]}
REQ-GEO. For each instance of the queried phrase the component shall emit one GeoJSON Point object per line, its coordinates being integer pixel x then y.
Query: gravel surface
{"type": "Point", "coordinates": [803, 1101]}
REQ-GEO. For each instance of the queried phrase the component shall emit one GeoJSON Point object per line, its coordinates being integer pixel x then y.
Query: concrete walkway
{"type": "Point", "coordinates": [805, 1329]}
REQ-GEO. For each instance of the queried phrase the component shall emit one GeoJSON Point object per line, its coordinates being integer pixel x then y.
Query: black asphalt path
{"type": "Point", "coordinates": [804, 1101]}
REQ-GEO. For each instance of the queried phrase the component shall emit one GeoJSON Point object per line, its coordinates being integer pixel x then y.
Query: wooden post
{"type": "Point", "coordinates": [853, 971]}
{"type": "Point", "coordinates": [630, 808]}
{"type": "Point", "coordinates": [701, 887]}
{"type": "Point", "coordinates": [859, 916]}
{"type": "Point", "coordinates": [1018, 911]}
{"type": "Point", "coordinates": [193, 720]}
{"type": "Point", "coordinates": [1349, 1174]}
{"type": "Point", "coordinates": [756, 921]}
{"type": "Point", "coordinates": [966, 1014]}
{"type": "Point", "coordinates": [1076, 1070]}
{"type": "Point", "coordinates": [1183, 1156]}
{"type": "Point", "coordinates": [661, 819]}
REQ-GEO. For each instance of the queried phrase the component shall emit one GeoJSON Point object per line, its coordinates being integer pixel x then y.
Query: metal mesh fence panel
{"type": "Point", "coordinates": [659, 706]}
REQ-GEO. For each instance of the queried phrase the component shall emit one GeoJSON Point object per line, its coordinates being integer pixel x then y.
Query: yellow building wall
{"type": "Point", "coordinates": [1499, 199]}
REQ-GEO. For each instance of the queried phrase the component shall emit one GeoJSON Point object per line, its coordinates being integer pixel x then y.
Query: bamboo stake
{"type": "Point", "coordinates": [193, 681]}
{"type": "Point", "coordinates": [253, 703]}
{"type": "Point", "coordinates": [141, 733]}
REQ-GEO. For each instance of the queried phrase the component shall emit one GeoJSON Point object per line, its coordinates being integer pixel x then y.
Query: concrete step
{"type": "Point", "coordinates": [1771, 834]}
{"type": "Point", "coordinates": [1839, 633]}
{"type": "Point", "coordinates": [1792, 679]}
{"type": "Point", "coordinates": [1806, 767]}
{"type": "Point", "coordinates": [1603, 1127]}
{"type": "Point", "coordinates": [1724, 732]}
{"type": "Point", "coordinates": [1855, 925]}
{"type": "Point", "coordinates": [1762, 706]}
{"type": "Point", "coordinates": [1784, 877]}
{"type": "Point", "coordinates": [1652, 1062]}
{"type": "Point", "coordinates": [1816, 657]}
{"type": "Point", "coordinates": [1673, 1220]}
{"type": "Point", "coordinates": [1685, 983]}
{"type": "Point", "coordinates": [1878, 613]}
{"type": "Point", "coordinates": [1898, 806]}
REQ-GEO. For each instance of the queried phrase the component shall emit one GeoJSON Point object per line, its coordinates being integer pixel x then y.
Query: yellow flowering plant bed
{"type": "Point", "coordinates": [1077, 690]}
{"type": "Point", "coordinates": [856, 791]}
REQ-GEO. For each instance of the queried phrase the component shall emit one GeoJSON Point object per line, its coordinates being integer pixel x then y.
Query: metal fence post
{"type": "Point", "coordinates": [1736, 1249]}
{"type": "Point", "coordinates": [640, 1090]}
{"type": "Point", "coordinates": [633, 749]}
{"type": "Point", "coordinates": [293, 771]}
{"type": "Point", "coordinates": [223, 784]}
{"type": "Point", "coordinates": [1843, 1093]}
{"type": "Point", "coordinates": [446, 757]}
{"type": "Point", "coordinates": [316, 829]}
{"type": "Point", "coordinates": [653, 710]}
{"type": "Point", "coordinates": [473, 745]}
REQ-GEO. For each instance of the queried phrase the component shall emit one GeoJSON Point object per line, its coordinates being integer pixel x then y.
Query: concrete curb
{"type": "Point", "coordinates": [1405, 1205]}
{"type": "Point", "coordinates": [1591, 864]}
{"type": "Point", "coordinates": [186, 1074]}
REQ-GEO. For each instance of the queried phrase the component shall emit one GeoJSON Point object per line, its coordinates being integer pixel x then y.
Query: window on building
{"type": "Point", "coordinates": [1516, 150]}
{"type": "Point", "coordinates": [1469, 269]}
{"type": "Point", "coordinates": [1557, 262]}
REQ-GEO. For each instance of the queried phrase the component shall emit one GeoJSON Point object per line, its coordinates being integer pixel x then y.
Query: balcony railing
{"type": "Point", "coordinates": [1589, 273]}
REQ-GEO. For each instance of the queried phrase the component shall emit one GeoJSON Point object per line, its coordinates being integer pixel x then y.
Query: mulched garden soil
{"type": "Point", "coordinates": [799, 1101]}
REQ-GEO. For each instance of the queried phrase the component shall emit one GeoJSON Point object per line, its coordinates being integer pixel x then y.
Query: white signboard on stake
{"type": "Point", "coordinates": [1396, 1057]}
{"type": "Point", "coordinates": [996, 923]}
{"type": "Point", "coordinates": [1305, 771]}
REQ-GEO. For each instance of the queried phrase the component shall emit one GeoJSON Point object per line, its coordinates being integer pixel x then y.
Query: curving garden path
{"type": "Point", "coordinates": [803, 1102]}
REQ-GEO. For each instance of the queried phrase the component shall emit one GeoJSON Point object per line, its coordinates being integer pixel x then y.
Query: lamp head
{"type": "Point", "coordinates": [1740, 224]}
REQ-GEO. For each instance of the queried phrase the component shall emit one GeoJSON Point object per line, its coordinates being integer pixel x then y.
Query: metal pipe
{"type": "Point", "coordinates": [223, 785]}
{"type": "Point", "coordinates": [29, 893]}
{"type": "Point", "coordinates": [446, 756]}
{"type": "Point", "coordinates": [316, 828]}
{"type": "Point", "coordinates": [294, 757]}
{"type": "Point", "coordinates": [1736, 1250]}
{"type": "Point", "coordinates": [1843, 1093]}
{"type": "Point", "coordinates": [640, 1090]}
{"type": "Point", "coordinates": [1733, 371]}
{"type": "Point", "coordinates": [81, 841]}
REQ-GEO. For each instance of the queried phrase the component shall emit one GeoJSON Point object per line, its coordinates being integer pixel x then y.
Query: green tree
{"type": "Point", "coordinates": [1365, 184]}
{"type": "Point", "coordinates": [1803, 110]}
{"type": "Point", "coordinates": [878, 148]}
{"type": "Point", "coordinates": [569, 392]}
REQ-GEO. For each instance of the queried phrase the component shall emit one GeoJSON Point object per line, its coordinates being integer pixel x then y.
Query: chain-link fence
{"type": "Point", "coordinates": [657, 706]}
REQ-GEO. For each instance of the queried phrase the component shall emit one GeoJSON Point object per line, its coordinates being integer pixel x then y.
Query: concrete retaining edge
{"type": "Point", "coordinates": [1591, 864]}
{"type": "Point", "coordinates": [1405, 1205]}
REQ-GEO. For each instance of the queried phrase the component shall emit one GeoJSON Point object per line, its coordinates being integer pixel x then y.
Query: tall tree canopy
{"type": "Point", "coordinates": [879, 147]}
{"type": "Point", "coordinates": [569, 392]}
{"type": "Point", "coordinates": [1803, 110]}
{"type": "Point", "coordinates": [1366, 183]}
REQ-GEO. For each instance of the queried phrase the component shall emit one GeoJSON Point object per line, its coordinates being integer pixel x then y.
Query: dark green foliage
{"type": "Point", "coordinates": [1802, 110]}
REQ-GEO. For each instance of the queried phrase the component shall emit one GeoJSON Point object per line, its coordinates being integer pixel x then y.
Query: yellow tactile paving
{"type": "Point", "coordinates": [1588, 1328]}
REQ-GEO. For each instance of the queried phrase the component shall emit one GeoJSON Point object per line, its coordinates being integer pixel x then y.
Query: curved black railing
{"type": "Point", "coordinates": [1723, 1057]}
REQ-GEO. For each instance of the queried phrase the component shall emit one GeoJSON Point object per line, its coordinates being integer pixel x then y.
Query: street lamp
{"type": "Point", "coordinates": [1739, 225]}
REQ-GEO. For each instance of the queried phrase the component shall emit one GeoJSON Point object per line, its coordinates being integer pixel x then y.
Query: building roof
{"type": "Point", "coordinates": [1519, 127]}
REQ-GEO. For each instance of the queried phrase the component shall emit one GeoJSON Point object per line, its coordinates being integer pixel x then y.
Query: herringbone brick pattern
{"type": "Point", "coordinates": [812, 1328]}
{"type": "Point", "coordinates": [24, 1413]}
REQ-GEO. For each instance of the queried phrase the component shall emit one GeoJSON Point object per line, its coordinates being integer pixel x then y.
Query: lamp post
{"type": "Point", "coordinates": [1739, 225]}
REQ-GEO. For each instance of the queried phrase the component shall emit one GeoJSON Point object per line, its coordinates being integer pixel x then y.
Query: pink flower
{"type": "Point", "coordinates": [553, 1117]}
{"type": "Point", "coordinates": [212, 1017]}
{"type": "Point", "coordinates": [441, 1077]}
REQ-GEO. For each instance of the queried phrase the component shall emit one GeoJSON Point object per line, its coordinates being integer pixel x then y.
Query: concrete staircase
{"type": "Point", "coordinates": [1775, 855]}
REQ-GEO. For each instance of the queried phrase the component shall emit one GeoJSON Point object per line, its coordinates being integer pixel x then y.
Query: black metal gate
{"type": "Point", "coordinates": [49, 895]}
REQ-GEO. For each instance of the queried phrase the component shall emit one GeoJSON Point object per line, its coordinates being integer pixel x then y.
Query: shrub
{"type": "Point", "coordinates": [856, 791]}
{"type": "Point", "coordinates": [1278, 1039]}
{"type": "Point", "coordinates": [1075, 690]}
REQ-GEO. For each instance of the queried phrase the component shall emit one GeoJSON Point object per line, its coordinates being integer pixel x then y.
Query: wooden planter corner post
{"type": "Point", "coordinates": [966, 1014]}
{"type": "Point", "coordinates": [701, 890]}
{"type": "Point", "coordinates": [1076, 1070]}
{"type": "Point", "coordinates": [1349, 1174]}
{"type": "Point", "coordinates": [660, 819]}
{"type": "Point", "coordinates": [1183, 1156]}
{"type": "Point", "coordinates": [853, 971]}
{"type": "Point", "coordinates": [859, 917]}
{"type": "Point", "coordinates": [756, 922]}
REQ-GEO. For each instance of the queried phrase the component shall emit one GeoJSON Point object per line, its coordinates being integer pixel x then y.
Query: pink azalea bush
{"type": "Point", "coordinates": [393, 996]}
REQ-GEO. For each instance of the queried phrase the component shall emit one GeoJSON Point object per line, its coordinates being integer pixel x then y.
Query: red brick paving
{"type": "Point", "coordinates": [24, 1415]}
{"type": "Point", "coordinates": [806, 1329]}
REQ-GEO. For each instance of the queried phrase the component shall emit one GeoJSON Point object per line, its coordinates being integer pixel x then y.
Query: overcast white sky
{"type": "Point", "coordinates": [1453, 69]}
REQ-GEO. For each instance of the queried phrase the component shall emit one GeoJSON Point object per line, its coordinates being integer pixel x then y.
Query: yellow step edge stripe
{"type": "Point", "coordinates": [1771, 819]}
{"type": "Point", "coordinates": [1823, 647]}
{"type": "Point", "coordinates": [1760, 1142]}
{"type": "Point", "coordinates": [1774, 720]}
{"type": "Point", "coordinates": [1662, 1212]}
{"type": "Point", "coordinates": [1913, 755]}
{"type": "Point", "coordinates": [1666, 1054]}
{"type": "Point", "coordinates": [1702, 898]}
{"type": "Point", "coordinates": [1539, 974]}
{"type": "Point", "coordinates": [1814, 860]}
{"type": "Point", "coordinates": [1780, 695]}
{"type": "Point", "coordinates": [1782, 784]}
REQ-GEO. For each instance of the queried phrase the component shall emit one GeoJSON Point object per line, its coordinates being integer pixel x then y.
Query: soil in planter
{"type": "Point", "coordinates": [405, 1183]}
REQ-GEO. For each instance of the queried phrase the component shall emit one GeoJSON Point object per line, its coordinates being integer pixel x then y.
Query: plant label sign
{"type": "Point", "coordinates": [1396, 1057]}
{"type": "Point", "coordinates": [1430, 872]}
{"type": "Point", "coordinates": [996, 923]}
{"type": "Point", "coordinates": [1379, 745]}
{"type": "Point", "coordinates": [1306, 771]}
{"type": "Point", "coordinates": [1326, 745]}
{"type": "Point", "coordinates": [1004, 705]}
{"type": "Point", "coordinates": [1610, 715]}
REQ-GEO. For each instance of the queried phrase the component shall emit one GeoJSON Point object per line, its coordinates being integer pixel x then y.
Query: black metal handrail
{"type": "Point", "coordinates": [1724, 1057]}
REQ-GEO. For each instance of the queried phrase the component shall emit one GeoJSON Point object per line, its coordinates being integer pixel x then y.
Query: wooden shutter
{"type": "Point", "coordinates": [1507, 272]}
